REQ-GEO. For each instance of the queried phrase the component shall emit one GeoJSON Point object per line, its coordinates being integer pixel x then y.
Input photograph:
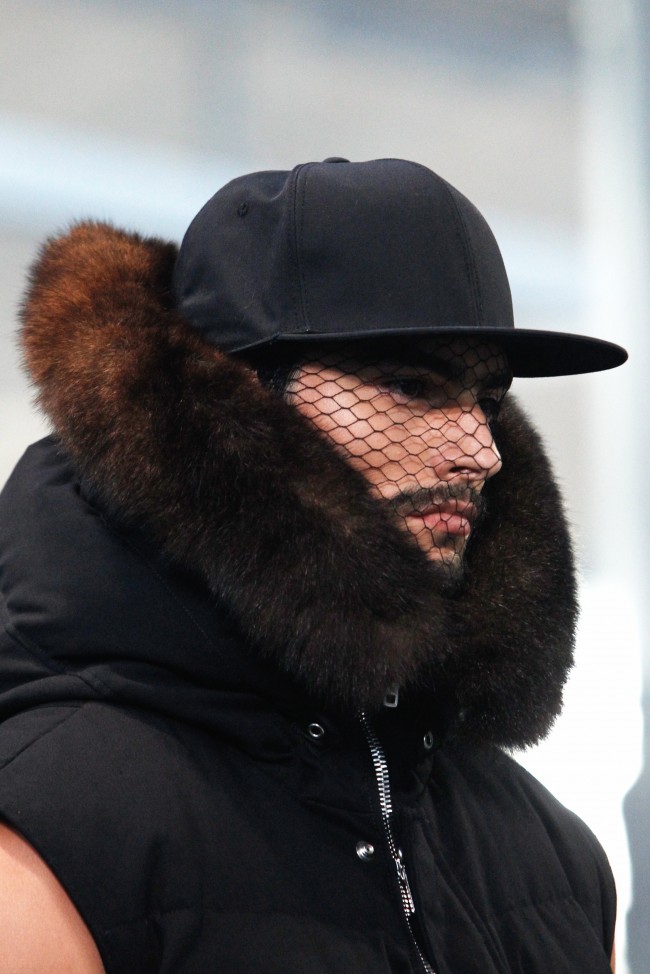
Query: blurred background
{"type": "Point", "coordinates": [137, 112]}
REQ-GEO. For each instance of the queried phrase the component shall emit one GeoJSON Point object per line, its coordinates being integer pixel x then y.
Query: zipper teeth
{"type": "Point", "coordinates": [383, 781]}
{"type": "Point", "coordinates": [382, 776]}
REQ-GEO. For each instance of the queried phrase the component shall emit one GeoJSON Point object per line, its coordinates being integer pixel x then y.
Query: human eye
{"type": "Point", "coordinates": [404, 387]}
{"type": "Point", "coordinates": [491, 405]}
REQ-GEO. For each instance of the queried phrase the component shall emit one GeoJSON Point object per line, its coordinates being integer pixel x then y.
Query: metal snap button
{"type": "Point", "coordinates": [317, 731]}
{"type": "Point", "coordinates": [365, 850]}
{"type": "Point", "coordinates": [428, 741]}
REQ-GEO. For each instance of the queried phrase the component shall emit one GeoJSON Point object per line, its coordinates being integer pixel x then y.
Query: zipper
{"type": "Point", "coordinates": [382, 777]}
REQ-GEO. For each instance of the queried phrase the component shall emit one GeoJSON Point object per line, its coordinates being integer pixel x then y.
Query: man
{"type": "Point", "coordinates": [287, 577]}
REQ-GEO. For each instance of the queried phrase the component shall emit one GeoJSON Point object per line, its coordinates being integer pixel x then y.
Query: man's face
{"type": "Point", "coordinates": [417, 427]}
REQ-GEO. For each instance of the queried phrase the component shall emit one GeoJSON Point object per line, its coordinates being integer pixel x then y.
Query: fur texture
{"type": "Point", "coordinates": [236, 485]}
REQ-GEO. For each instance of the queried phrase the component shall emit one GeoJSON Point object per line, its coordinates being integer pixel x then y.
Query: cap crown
{"type": "Point", "coordinates": [343, 250]}
{"type": "Point", "coordinates": [339, 249]}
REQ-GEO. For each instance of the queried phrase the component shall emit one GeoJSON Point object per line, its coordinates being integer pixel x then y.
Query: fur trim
{"type": "Point", "coordinates": [237, 485]}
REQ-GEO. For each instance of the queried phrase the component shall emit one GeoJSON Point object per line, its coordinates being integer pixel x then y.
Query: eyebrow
{"type": "Point", "coordinates": [501, 379]}
{"type": "Point", "coordinates": [420, 360]}
{"type": "Point", "coordinates": [498, 380]}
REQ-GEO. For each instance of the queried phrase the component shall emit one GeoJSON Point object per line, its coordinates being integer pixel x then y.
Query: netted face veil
{"type": "Point", "coordinates": [415, 419]}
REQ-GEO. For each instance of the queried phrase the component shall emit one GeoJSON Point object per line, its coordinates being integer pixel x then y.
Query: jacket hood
{"type": "Point", "coordinates": [232, 487]}
{"type": "Point", "coordinates": [92, 610]}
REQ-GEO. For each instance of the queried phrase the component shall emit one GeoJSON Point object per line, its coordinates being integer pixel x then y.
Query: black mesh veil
{"type": "Point", "coordinates": [415, 420]}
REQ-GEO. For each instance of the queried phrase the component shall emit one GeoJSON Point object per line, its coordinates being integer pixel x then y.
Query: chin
{"type": "Point", "coordinates": [445, 550]}
{"type": "Point", "coordinates": [447, 563]}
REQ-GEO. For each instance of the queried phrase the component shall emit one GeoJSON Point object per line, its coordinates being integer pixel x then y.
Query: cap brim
{"type": "Point", "coordinates": [530, 352]}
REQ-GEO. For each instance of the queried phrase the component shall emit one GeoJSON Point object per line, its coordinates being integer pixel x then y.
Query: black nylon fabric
{"type": "Point", "coordinates": [355, 251]}
{"type": "Point", "coordinates": [169, 779]}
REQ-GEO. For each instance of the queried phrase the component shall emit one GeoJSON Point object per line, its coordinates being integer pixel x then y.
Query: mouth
{"type": "Point", "coordinates": [451, 518]}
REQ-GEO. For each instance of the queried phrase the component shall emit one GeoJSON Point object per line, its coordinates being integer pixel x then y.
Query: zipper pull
{"type": "Point", "coordinates": [407, 896]}
{"type": "Point", "coordinates": [391, 698]}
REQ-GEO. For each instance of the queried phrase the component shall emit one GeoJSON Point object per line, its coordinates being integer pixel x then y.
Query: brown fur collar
{"type": "Point", "coordinates": [235, 484]}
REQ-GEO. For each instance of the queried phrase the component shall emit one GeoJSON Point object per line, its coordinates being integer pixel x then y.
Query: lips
{"type": "Point", "coordinates": [451, 517]}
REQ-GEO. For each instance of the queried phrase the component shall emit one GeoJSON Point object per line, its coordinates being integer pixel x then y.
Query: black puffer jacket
{"type": "Point", "coordinates": [182, 738]}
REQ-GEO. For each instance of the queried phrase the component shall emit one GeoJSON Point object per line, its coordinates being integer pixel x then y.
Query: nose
{"type": "Point", "coordinates": [465, 445]}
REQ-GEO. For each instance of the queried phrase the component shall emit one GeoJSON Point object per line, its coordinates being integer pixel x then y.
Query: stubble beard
{"type": "Point", "coordinates": [445, 552]}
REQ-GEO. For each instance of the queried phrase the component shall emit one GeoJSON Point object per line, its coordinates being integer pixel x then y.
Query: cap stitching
{"type": "Point", "coordinates": [468, 254]}
{"type": "Point", "coordinates": [292, 245]}
{"type": "Point", "coordinates": [470, 261]}
{"type": "Point", "coordinates": [298, 220]}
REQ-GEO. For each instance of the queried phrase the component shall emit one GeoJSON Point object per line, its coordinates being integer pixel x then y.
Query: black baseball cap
{"type": "Point", "coordinates": [339, 251]}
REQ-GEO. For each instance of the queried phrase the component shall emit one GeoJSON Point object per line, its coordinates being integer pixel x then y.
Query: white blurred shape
{"type": "Point", "coordinates": [595, 752]}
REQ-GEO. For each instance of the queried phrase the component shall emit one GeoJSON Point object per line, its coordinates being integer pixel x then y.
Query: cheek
{"type": "Point", "coordinates": [321, 413]}
{"type": "Point", "coordinates": [350, 424]}
{"type": "Point", "coordinates": [387, 452]}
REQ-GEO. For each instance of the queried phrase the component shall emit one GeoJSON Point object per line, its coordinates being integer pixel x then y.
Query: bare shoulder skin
{"type": "Point", "coordinates": [41, 931]}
